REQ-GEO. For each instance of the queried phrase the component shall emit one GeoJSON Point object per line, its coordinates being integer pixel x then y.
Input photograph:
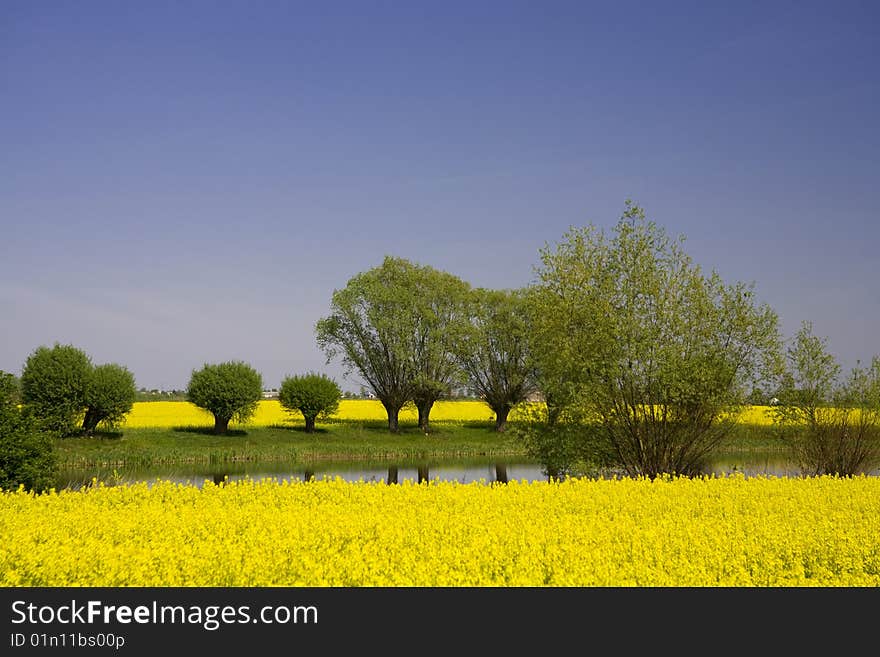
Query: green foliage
{"type": "Point", "coordinates": [493, 350]}
{"type": "Point", "coordinates": [110, 395]}
{"type": "Point", "coordinates": [393, 325]}
{"type": "Point", "coordinates": [27, 454]}
{"type": "Point", "coordinates": [829, 427]}
{"type": "Point", "coordinates": [10, 388]}
{"type": "Point", "coordinates": [54, 385]}
{"type": "Point", "coordinates": [229, 390]}
{"type": "Point", "coordinates": [370, 328]}
{"type": "Point", "coordinates": [565, 446]}
{"type": "Point", "coordinates": [314, 395]}
{"type": "Point", "coordinates": [441, 321]}
{"type": "Point", "coordinates": [631, 336]}
{"type": "Point", "coordinates": [61, 388]}
{"type": "Point", "coordinates": [758, 397]}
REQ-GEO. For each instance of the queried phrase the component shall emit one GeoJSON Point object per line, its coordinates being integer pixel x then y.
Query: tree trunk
{"type": "Point", "coordinates": [501, 473]}
{"type": "Point", "coordinates": [310, 425]}
{"type": "Point", "coordinates": [392, 417]}
{"type": "Point", "coordinates": [221, 425]}
{"type": "Point", "coordinates": [423, 473]}
{"type": "Point", "coordinates": [424, 406]}
{"type": "Point", "coordinates": [501, 418]}
{"type": "Point", "coordinates": [90, 421]}
{"type": "Point", "coordinates": [392, 474]}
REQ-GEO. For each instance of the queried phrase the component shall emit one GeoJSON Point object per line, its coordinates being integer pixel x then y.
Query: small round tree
{"type": "Point", "coordinates": [313, 395]}
{"type": "Point", "coordinates": [229, 390]}
{"type": "Point", "coordinates": [109, 396]}
{"type": "Point", "coordinates": [54, 383]}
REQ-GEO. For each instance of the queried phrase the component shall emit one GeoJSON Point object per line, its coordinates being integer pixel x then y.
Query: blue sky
{"type": "Point", "coordinates": [183, 183]}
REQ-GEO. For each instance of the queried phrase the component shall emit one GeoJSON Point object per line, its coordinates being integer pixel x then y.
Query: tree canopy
{"type": "Point", "coordinates": [54, 385]}
{"type": "Point", "coordinates": [493, 351]}
{"type": "Point", "coordinates": [312, 394]}
{"type": "Point", "coordinates": [230, 390]}
{"type": "Point", "coordinates": [110, 395]}
{"type": "Point", "coordinates": [440, 322]}
{"type": "Point", "coordinates": [830, 426]}
{"type": "Point", "coordinates": [63, 390]}
{"type": "Point", "coordinates": [642, 348]}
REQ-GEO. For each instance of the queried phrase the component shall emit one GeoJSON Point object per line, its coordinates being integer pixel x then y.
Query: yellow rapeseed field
{"type": "Point", "coordinates": [269, 412]}
{"type": "Point", "coordinates": [727, 531]}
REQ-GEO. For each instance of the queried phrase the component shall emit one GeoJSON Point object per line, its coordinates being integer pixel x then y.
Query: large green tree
{"type": "Point", "coordinates": [54, 386]}
{"type": "Point", "coordinates": [641, 348]}
{"type": "Point", "coordinates": [440, 315]}
{"type": "Point", "coordinates": [230, 390]}
{"type": "Point", "coordinates": [830, 426]}
{"type": "Point", "coordinates": [392, 325]}
{"type": "Point", "coordinates": [493, 351]}
{"type": "Point", "coordinates": [110, 395]}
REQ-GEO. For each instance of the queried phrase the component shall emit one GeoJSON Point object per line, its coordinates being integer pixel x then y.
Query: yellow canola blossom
{"type": "Point", "coordinates": [727, 531]}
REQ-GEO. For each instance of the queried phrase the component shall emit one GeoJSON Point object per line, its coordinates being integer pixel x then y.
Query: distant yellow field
{"type": "Point", "coordinates": [269, 412]}
{"type": "Point", "coordinates": [760, 415]}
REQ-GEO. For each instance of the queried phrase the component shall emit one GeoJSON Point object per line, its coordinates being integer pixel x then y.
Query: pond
{"type": "Point", "coordinates": [482, 470]}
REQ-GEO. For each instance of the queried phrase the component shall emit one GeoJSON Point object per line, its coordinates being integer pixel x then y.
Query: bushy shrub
{"type": "Point", "coordinates": [830, 427]}
{"type": "Point", "coordinates": [27, 453]}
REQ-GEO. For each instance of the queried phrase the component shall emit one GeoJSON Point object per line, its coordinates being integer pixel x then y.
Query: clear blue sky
{"type": "Point", "coordinates": [187, 182]}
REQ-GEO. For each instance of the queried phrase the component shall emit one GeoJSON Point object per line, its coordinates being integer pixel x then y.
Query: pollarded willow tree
{"type": "Point", "coordinates": [312, 394]}
{"type": "Point", "coordinates": [54, 386]}
{"type": "Point", "coordinates": [393, 325]}
{"type": "Point", "coordinates": [110, 396]}
{"type": "Point", "coordinates": [493, 351]}
{"type": "Point", "coordinates": [646, 353]}
{"type": "Point", "coordinates": [230, 390]}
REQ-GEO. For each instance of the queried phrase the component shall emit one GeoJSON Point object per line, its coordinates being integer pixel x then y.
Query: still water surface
{"type": "Point", "coordinates": [465, 471]}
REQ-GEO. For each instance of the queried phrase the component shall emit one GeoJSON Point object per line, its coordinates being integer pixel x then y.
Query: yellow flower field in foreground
{"type": "Point", "coordinates": [270, 412]}
{"type": "Point", "coordinates": [704, 532]}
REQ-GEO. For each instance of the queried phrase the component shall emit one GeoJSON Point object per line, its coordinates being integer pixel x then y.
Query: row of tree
{"type": "Point", "coordinates": [643, 359]}
{"type": "Point", "coordinates": [414, 333]}
{"type": "Point", "coordinates": [61, 393]}
{"type": "Point", "coordinates": [65, 394]}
